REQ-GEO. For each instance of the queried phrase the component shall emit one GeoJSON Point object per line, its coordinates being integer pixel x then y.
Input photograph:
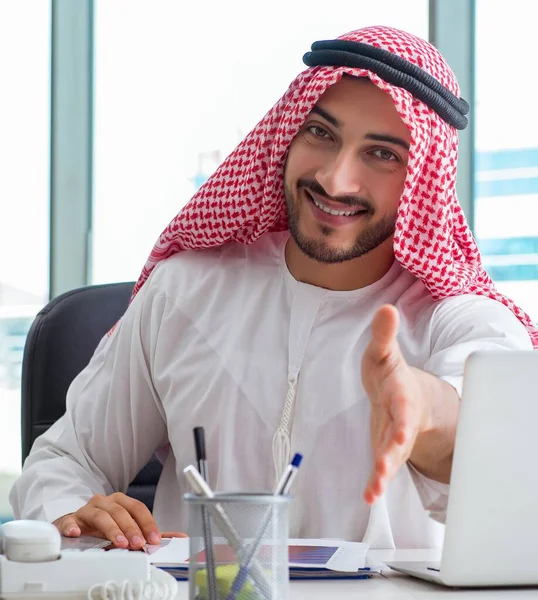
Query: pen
{"type": "Point", "coordinates": [201, 488]}
{"type": "Point", "coordinates": [282, 488]}
{"type": "Point", "coordinates": [284, 485]}
{"type": "Point", "coordinates": [201, 459]}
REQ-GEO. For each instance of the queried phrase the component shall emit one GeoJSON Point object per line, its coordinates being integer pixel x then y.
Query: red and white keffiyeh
{"type": "Point", "coordinates": [245, 197]}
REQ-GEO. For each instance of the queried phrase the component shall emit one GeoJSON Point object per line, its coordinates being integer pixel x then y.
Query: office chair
{"type": "Point", "coordinates": [60, 343]}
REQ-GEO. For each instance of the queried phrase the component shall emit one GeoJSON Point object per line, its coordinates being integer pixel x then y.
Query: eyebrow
{"type": "Point", "coordinates": [332, 120]}
{"type": "Point", "coordinates": [377, 137]}
{"type": "Point", "coordinates": [391, 139]}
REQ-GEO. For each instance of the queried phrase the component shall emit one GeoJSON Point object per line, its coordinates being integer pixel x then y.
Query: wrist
{"type": "Point", "coordinates": [438, 408]}
{"type": "Point", "coordinates": [425, 399]}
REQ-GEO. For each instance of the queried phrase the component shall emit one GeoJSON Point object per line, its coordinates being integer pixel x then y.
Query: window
{"type": "Point", "coordinates": [506, 143]}
{"type": "Point", "coordinates": [178, 85]}
{"type": "Point", "coordinates": [24, 207]}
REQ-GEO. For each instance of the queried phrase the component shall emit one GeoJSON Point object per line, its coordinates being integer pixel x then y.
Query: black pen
{"type": "Point", "coordinates": [201, 457]}
{"type": "Point", "coordinates": [201, 460]}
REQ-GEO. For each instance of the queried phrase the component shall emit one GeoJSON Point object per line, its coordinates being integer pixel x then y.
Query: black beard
{"type": "Point", "coordinates": [319, 250]}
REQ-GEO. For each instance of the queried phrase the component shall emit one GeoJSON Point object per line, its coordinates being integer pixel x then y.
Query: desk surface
{"type": "Point", "coordinates": [389, 586]}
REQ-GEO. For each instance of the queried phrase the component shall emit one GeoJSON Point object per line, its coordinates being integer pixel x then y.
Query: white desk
{"type": "Point", "coordinates": [389, 586]}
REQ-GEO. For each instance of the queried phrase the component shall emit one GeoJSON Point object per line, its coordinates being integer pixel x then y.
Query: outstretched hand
{"type": "Point", "coordinates": [397, 413]}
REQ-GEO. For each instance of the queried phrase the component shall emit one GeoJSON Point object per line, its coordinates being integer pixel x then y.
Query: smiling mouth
{"type": "Point", "coordinates": [331, 211]}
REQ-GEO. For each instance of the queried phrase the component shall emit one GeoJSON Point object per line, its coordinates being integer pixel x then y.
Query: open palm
{"type": "Point", "coordinates": [396, 415]}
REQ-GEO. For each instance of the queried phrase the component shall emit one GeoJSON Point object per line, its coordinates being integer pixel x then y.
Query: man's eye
{"type": "Point", "coordinates": [384, 154]}
{"type": "Point", "coordinates": [318, 131]}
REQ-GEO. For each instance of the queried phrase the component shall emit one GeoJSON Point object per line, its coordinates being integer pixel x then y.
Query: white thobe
{"type": "Point", "coordinates": [218, 338]}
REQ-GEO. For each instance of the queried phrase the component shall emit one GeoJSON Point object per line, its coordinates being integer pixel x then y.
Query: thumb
{"type": "Point", "coordinates": [68, 526]}
{"type": "Point", "coordinates": [384, 331]}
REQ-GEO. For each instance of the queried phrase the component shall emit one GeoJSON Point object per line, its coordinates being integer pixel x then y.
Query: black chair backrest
{"type": "Point", "coordinates": [60, 343]}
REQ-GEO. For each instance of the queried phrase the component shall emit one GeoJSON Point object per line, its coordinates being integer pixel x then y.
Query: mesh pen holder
{"type": "Point", "coordinates": [249, 547]}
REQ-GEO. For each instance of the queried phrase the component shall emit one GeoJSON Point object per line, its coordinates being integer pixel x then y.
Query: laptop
{"type": "Point", "coordinates": [491, 533]}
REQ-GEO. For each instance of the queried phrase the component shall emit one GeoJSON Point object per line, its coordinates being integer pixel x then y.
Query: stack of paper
{"type": "Point", "coordinates": [308, 558]}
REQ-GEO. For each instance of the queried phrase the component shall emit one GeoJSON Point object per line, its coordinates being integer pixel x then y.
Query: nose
{"type": "Point", "coordinates": [341, 176]}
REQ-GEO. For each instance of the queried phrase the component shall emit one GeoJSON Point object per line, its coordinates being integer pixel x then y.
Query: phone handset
{"type": "Point", "coordinates": [30, 541]}
{"type": "Point", "coordinates": [32, 562]}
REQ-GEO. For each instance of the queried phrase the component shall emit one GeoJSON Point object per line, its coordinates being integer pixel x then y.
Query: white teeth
{"type": "Point", "coordinates": [336, 213]}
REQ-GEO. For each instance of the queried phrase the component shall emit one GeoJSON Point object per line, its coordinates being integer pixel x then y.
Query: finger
{"type": "Point", "coordinates": [384, 331]}
{"type": "Point", "coordinates": [124, 520]}
{"type": "Point", "coordinates": [100, 521]}
{"type": "Point", "coordinates": [379, 479]}
{"type": "Point", "coordinates": [396, 436]}
{"type": "Point", "coordinates": [173, 534]}
{"type": "Point", "coordinates": [392, 454]}
{"type": "Point", "coordinates": [390, 457]}
{"type": "Point", "coordinates": [374, 487]}
{"type": "Point", "coordinates": [373, 490]}
{"type": "Point", "coordinates": [141, 515]}
{"type": "Point", "coordinates": [68, 526]}
{"type": "Point", "coordinates": [387, 451]}
{"type": "Point", "coordinates": [397, 424]}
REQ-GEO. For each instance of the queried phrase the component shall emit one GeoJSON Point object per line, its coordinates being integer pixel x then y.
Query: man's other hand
{"type": "Point", "coordinates": [126, 522]}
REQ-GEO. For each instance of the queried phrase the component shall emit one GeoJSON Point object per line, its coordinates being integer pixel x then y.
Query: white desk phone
{"type": "Point", "coordinates": [32, 565]}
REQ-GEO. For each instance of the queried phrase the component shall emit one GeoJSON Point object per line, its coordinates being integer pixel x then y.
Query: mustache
{"type": "Point", "coordinates": [352, 201]}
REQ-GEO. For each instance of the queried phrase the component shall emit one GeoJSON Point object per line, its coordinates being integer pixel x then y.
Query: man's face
{"type": "Point", "coordinates": [349, 158]}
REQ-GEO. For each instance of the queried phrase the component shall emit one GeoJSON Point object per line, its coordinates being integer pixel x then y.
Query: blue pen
{"type": "Point", "coordinates": [284, 485]}
{"type": "Point", "coordinates": [282, 488]}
